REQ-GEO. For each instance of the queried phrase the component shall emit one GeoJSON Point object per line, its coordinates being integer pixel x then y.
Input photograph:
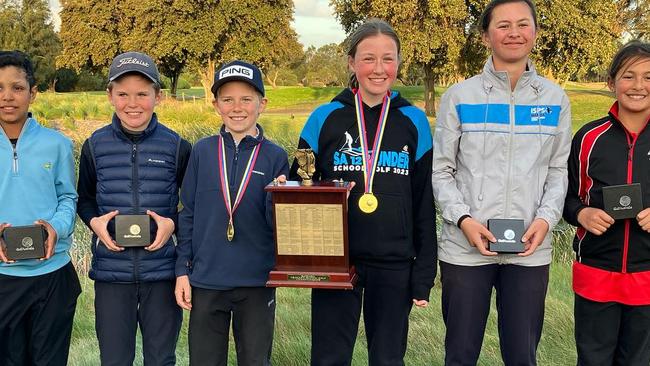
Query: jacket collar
{"type": "Point", "coordinates": [116, 125]}
{"type": "Point", "coordinates": [247, 141]}
{"type": "Point", "coordinates": [500, 79]}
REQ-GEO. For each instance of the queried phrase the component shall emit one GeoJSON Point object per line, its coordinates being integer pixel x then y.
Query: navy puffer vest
{"type": "Point", "coordinates": [134, 177]}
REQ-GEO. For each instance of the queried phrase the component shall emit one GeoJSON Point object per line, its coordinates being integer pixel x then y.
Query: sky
{"type": "Point", "coordinates": [313, 21]}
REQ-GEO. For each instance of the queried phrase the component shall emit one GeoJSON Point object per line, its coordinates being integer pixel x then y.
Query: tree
{"type": "Point", "coordinates": [257, 31]}
{"type": "Point", "coordinates": [170, 31]}
{"type": "Point", "coordinates": [326, 66]}
{"type": "Point", "coordinates": [634, 17]}
{"type": "Point", "coordinates": [576, 36]}
{"type": "Point", "coordinates": [27, 26]}
{"type": "Point", "coordinates": [431, 33]}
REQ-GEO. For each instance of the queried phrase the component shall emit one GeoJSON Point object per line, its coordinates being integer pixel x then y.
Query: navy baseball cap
{"type": "Point", "coordinates": [238, 71]}
{"type": "Point", "coordinates": [133, 62]}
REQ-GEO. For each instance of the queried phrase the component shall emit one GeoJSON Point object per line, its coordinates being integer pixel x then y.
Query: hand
{"type": "Point", "coordinates": [165, 230]}
{"type": "Point", "coordinates": [478, 235]}
{"type": "Point", "coordinates": [99, 226]}
{"type": "Point", "coordinates": [420, 303]}
{"type": "Point", "coordinates": [595, 220]}
{"type": "Point", "coordinates": [281, 179]}
{"type": "Point", "coordinates": [644, 219]}
{"type": "Point", "coordinates": [183, 292]}
{"type": "Point", "coordinates": [534, 236]}
{"type": "Point", "coordinates": [50, 242]}
{"type": "Point", "coordinates": [3, 247]}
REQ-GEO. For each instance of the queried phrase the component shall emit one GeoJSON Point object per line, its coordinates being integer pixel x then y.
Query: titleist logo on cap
{"type": "Point", "coordinates": [132, 61]}
{"type": "Point", "coordinates": [236, 70]}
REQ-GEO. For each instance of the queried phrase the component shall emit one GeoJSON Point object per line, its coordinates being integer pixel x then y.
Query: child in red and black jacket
{"type": "Point", "coordinates": [611, 275]}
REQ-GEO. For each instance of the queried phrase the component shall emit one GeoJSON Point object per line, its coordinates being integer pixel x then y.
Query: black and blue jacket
{"type": "Point", "coordinates": [204, 253]}
{"type": "Point", "coordinates": [402, 231]}
{"type": "Point", "coordinates": [132, 174]}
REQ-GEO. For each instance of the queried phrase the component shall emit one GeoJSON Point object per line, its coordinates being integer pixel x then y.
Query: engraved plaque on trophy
{"type": "Point", "coordinates": [311, 237]}
{"type": "Point", "coordinates": [25, 242]}
{"type": "Point", "coordinates": [132, 230]}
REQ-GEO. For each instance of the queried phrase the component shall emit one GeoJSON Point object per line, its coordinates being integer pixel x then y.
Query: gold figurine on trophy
{"type": "Point", "coordinates": [306, 165]}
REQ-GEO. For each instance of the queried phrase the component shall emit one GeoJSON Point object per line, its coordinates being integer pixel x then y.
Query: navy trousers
{"type": "Point", "coordinates": [252, 310]}
{"type": "Point", "coordinates": [120, 308]}
{"type": "Point", "coordinates": [466, 296]}
{"type": "Point", "coordinates": [612, 334]}
{"type": "Point", "coordinates": [36, 316]}
{"type": "Point", "coordinates": [385, 296]}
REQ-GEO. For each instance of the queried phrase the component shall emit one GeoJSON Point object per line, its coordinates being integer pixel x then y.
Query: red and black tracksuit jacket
{"type": "Point", "coordinates": [614, 266]}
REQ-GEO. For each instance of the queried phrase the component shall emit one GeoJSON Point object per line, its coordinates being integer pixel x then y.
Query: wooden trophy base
{"type": "Point", "coordinates": [311, 235]}
{"type": "Point", "coordinates": [328, 280]}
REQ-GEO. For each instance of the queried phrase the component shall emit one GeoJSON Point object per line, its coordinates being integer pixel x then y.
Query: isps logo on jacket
{"type": "Point", "coordinates": [349, 158]}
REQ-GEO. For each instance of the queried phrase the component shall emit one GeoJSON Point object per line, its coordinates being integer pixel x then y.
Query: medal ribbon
{"type": "Point", "coordinates": [370, 160]}
{"type": "Point", "coordinates": [223, 175]}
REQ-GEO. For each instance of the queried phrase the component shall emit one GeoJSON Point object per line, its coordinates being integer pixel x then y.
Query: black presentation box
{"type": "Point", "coordinates": [623, 201]}
{"type": "Point", "coordinates": [132, 230]}
{"type": "Point", "coordinates": [25, 242]}
{"type": "Point", "coordinates": [508, 233]}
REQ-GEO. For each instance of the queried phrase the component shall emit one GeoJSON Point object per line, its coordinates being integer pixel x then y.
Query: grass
{"type": "Point", "coordinates": [78, 114]}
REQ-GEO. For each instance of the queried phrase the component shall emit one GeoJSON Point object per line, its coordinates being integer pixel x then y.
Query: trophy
{"type": "Point", "coordinates": [310, 231]}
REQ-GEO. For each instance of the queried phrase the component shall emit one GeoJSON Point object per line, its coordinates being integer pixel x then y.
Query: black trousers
{"type": "Point", "coordinates": [36, 316]}
{"type": "Point", "coordinates": [385, 295]}
{"type": "Point", "coordinates": [466, 296]}
{"type": "Point", "coordinates": [119, 308]}
{"type": "Point", "coordinates": [609, 333]}
{"type": "Point", "coordinates": [252, 310]}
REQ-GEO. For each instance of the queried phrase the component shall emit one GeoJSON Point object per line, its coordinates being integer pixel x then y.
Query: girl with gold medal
{"type": "Point", "coordinates": [371, 136]}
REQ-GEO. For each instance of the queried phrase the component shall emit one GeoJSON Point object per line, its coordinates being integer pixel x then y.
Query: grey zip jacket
{"type": "Point", "coordinates": [499, 153]}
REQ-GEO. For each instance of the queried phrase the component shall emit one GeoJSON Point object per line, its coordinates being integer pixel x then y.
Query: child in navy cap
{"type": "Point", "coordinates": [225, 238]}
{"type": "Point", "coordinates": [134, 166]}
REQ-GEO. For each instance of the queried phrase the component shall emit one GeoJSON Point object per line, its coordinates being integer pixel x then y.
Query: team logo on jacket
{"type": "Point", "coordinates": [538, 114]}
{"type": "Point", "coordinates": [348, 158]}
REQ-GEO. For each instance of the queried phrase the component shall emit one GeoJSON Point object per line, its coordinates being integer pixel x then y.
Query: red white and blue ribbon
{"type": "Point", "coordinates": [223, 175]}
{"type": "Point", "coordinates": [370, 159]}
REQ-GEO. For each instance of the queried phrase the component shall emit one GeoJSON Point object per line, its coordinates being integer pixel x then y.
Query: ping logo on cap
{"type": "Point", "coordinates": [132, 60]}
{"type": "Point", "coordinates": [236, 70]}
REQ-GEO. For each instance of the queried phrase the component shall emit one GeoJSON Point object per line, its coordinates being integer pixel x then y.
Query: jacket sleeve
{"type": "Point", "coordinates": [573, 204]}
{"type": "Point", "coordinates": [184, 253]}
{"type": "Point", "coordinates": [555, 185]}
{"type": "Point", "coordinates": [445, 148]}
{"type": "Point", "coordinates": [184, 151]}
{"type": "Point", "coordinates": [87, 186]}
{"type": "Point", "coordinates": [424, 226]}
{"type": "Point", "coordinates": [64, 217]}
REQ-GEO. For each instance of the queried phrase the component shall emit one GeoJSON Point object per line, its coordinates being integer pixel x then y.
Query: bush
{"type": "Point", "coordinates": [89, 81]}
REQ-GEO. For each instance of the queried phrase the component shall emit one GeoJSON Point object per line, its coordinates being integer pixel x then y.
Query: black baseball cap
{"type": "Point", "coordinates": [238, 71]}
{"type": "Point", "coordinates": [133, 62]}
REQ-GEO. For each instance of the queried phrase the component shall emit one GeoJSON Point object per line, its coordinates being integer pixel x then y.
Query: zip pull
{"type": "Point", "coordinates": [15, 162]}
{"type": "Point", "coordinates": [133, 153]}
{"type": "Point", "coordinates": [629, 152]}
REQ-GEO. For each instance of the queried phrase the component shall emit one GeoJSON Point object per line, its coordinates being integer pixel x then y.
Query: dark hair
{"type": "Point", "coordinates": [371, 27]}
{"type": "Point", "coordinates": [628, 54]}
{"type": "Point", "coordinates": [156, 86]}
{"type": "Point", "coordinates": [20, 60]}
{"type": "Point", "coordinates": [486, 15]}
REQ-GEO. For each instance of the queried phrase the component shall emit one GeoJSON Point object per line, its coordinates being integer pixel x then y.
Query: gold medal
{"type": "Point", "coordinates": [368, 203]}
{"type": "Point", "coordinates": [230, 232]}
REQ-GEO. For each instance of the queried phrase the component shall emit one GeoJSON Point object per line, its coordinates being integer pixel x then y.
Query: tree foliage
{"type": "Point", "coordinates": [325, 66]}
{"type": "Point", "coordinates": [178, 32]}
{"type": "Point", "coordinates": [27, 26]}
{"type": "Point", "coordinates": [634, 17]}
{"type": "Point", "coordinates": [431, 33]}
{"type": "Point", "coordinates": [576, 37]}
